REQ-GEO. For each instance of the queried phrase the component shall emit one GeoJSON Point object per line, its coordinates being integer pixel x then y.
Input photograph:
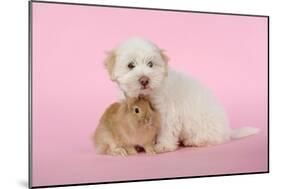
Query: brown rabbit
{"type": "Point", "coordinates": [125, 125]}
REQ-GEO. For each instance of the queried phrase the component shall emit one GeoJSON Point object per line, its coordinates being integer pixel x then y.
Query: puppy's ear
{"type": "Point", "coordinates": [109, 63]}
{"type": "Point", "coordinates": [165, 59]}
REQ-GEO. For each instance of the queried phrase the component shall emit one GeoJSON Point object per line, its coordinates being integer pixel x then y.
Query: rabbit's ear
{"type": "Point", "coordinates": [130, 102]}
{"type": "Point", "coordinates": [151, 106]}
{"type": "Point", "coordinates": [125, 107]}
{"type": "Point", "coordinates": [147, 98]}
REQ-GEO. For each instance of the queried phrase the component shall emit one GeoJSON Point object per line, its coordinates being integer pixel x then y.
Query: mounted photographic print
{"type": "Point", "coordinates": [121, 94]}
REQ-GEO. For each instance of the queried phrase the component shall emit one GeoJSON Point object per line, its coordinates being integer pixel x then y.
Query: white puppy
{"type": "Point", "coordinates": [189, 112]}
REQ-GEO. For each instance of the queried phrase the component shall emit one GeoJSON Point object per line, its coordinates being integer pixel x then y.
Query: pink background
{"type": "Point", "coordinates": [71, 89]}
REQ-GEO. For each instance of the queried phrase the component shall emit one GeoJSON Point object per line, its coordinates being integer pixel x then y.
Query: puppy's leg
{"type": "Point", "coordinates": [188, 143]}
{"type": "Point", "coordinates": [206, 131]}
{"type": "Point", "coordinates": [168, 137]}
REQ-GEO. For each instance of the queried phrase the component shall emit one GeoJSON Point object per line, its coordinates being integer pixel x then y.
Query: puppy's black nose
{"type": "Point", "coordinates": [144, 81]}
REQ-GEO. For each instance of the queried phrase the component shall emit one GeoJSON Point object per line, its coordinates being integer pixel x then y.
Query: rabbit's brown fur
{"type": "Point", "coordinates": [125, 125]}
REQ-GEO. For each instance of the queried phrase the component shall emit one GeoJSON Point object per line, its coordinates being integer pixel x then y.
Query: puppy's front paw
{"type": "Point", "coordinates": [160, 148]}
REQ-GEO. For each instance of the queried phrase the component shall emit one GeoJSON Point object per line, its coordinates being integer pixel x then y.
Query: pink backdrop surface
{"type": "Point", "coordinates": [71, 89]}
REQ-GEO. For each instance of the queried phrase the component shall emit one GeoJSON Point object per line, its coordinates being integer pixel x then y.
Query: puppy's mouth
{"type": "Point", "coordinates": [145, 87]}
{"type": "Point", "coordinates": [145, 90]}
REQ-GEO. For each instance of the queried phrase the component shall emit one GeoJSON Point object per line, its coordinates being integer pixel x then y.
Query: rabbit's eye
{"type": "Point", "coordinates": [137, 110]}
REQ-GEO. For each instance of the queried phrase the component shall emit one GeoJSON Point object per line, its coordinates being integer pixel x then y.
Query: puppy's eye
{"type": "Point", "coordinates": [131, 65]}
{"type": "Point", "coordinates": [137, 110]}
{"type": "Point", "coordinates": [150, 64]}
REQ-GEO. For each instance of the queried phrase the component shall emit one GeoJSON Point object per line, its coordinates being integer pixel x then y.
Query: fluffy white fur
{"type": "Point", "coordinates": [189, 112]}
